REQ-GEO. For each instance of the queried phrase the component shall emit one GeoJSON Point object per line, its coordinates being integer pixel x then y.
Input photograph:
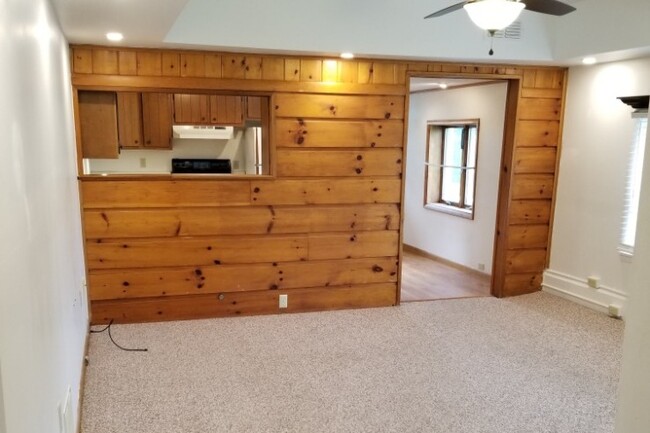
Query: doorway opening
{"type": "Point", "coordinates": [455, 141]}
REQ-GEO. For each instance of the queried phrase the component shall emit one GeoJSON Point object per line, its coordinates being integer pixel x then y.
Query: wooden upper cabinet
{"type": "Point", "coordinates": [157, 116]}
{"type": "Point", "coordinates": [129, 120]}
{"type": "Point", "coordinates": [197, 109]}
{"type": "Point", "coordinates": [226, 110]}
{"type": "Point", "coordinates": [191, 109]}
{"type": "Point", "coordinates": [98, 124]}
{"type": "Point", "coordinates": [254, 107]}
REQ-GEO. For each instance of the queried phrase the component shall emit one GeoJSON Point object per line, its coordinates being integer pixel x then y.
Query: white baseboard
{"type": "Point", "coordinates": [576, 289]}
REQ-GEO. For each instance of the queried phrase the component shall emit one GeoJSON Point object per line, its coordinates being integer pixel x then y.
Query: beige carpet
{"type": "Point", "coordinates": [532, 364]}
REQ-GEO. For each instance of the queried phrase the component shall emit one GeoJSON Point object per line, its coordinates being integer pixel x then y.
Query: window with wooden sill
{"type": "Point", "coordinates": [450, 167]}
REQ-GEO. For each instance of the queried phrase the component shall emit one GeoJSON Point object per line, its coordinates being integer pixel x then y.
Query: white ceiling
{"type": "Point", "coordinates": [370, 28]}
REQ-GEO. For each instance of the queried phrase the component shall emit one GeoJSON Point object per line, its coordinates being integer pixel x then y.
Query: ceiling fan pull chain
{"type": "Point", "coordinates": [491, 32]}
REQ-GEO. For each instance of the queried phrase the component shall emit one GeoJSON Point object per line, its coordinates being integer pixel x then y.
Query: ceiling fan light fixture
{"type": "Point", "coordinates": [494, 14]}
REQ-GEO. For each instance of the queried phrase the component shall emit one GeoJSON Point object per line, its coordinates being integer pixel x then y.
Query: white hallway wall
{"type": "Point", "coordinates": [463, 241]}
{"type": "Point", "coordinates": [598, 133]}
{"type": "Point", "coordinates": [43, 317]}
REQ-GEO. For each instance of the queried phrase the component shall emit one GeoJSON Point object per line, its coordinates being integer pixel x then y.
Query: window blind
{"type": "Point", "coordinates": [633, 185]}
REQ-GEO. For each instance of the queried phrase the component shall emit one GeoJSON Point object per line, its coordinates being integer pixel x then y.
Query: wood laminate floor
{"type": "Point", "coordinates": [425, 279]}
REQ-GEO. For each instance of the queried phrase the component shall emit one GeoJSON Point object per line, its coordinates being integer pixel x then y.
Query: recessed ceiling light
{"type": "Point", "coordinates": [347, 56]}
{"type": "Point", "coordinates": [114, 36]}
{"type": "Point", "coordinates": [589, 60]}
{"type": "Point", "coordinates": [442, 85]}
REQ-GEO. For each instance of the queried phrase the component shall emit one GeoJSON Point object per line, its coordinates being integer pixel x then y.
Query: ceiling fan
{"type": "Point", "coordinates": [493, 15]}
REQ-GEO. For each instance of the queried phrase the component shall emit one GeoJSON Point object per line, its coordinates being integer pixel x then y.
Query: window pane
{"type": "Point", "coordinates": [453, 152]}
{"type": "Point", "coordinates": [469, 188]}
{"type": "Point", "coordinates": [451, 185]}
{"type": "Point", "coordinates": [471, 151]}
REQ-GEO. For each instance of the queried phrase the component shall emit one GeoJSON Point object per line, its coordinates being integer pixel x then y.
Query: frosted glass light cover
{"type": "Point", "coordinates": [494, 14]}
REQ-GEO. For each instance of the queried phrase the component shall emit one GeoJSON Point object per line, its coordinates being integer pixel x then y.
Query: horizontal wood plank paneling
{"type": "Point", "coordinates": [519, 284]}
{"type": "Point", "coordinates": [337, 106]}
{"type": "Point", "coordinates": [530, 212]}
{"type": "Point", "coordinates": [535, 160]}
{"type": "Point", "coordinates": [339, 163]}
{"type": "Point", "coordinates": [329, 214]}
{"type": "Point", "coordinates": [140, 283]}
{"type": "Point", "coordinates": [130, 223]}
{"type": "Point", "coordinates": [324, 246]}
{"type": "Point", "coordinates": [532, 186]}
{"type": "Point", "coordinates": [145, 193]}
{"type": "Point", "coordinates": [539, 109]}
{"type": "Point", "coordinates": [131, 253]}
{"type": "Point", "coordinates": [521, 261]}
{"type": "Point", "coordinates": [318, 191]}
{"type": "Point", "coordinates": [541, 93]}
{"type": "Point", "coordinates": [243, 303]}
{"type": "Point", "coordinates": [538, 133]}
{"type": "Point", "coordinates": [528, 236]}
{"type": "Point", "coordinates": [330, 133]}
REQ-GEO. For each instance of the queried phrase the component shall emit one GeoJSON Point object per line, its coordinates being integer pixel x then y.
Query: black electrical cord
{"type": "Point", "coordinates": [108, 328]}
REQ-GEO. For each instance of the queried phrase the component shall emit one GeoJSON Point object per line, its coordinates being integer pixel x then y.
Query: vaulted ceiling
{"type": "Point", "coordinates": [370, 28]}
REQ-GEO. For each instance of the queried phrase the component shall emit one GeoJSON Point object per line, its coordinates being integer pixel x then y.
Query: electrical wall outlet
{"type": "Point", "coordinates": [481, 266]}
{"type": "Point", "coordinates": [143, 162]}
{"type": "Point", "coordinates": [284, 301]}
{"type": "Point", "coordinates": [593, 282]}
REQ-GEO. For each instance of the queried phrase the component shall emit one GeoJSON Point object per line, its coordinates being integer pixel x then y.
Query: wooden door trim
{"type": "Point", "coordinates": [505, 173]}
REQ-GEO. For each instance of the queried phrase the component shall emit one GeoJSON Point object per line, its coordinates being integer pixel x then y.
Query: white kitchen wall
{"type": "Point", "coordinates": [159, 161]}
{"type": "Point", "coordinates": [463, 241]}
{"type": "Point", "coordinates": [43, 314]}
{"type": "Point", "coordinates": [598, 133]}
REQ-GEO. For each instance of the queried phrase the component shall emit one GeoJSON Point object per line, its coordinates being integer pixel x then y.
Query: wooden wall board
{"type": "Point", "coordinates": [527, 236]}
{"type": "Point", "coordinates": [538, 133]}
{"type": "Point", "coordinates": [323, 222]}
{"type": "Point", "coordinates": [148, 253]}
{"type": "Point", "coordinates": [339, 107]}
{"type": "Point", "coordinates": [339, 163]}
{"type": "Point", "coordinates": [175, 281]}
{"type": "Point", "coordinates": [301, 133]}
{"type": "Point", "coordinates": [326, 191]}
{"type": "Point", "coordinates": [175, 222]}
{"type": "Point", "coordinates": [532, 186]}
{"type": "Point", "coordinates": [147, 193]}
{"type": "Point", "coordinates": [243, 303]}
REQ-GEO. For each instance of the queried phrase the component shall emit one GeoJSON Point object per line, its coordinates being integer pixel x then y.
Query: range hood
{"type": "Point", "coordinates": [203, 132]}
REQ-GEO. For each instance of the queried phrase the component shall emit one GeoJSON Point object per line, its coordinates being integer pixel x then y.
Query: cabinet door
{"type": "Point", "coordinates": [98, 124]}
{"type": "Point", "coordinates": [254, 107]}
{"type": "Point", "coordinates": [226, 110]}
{"type": "Point", "coordinates": [129, 120]}
{"type": "Point", "coordinates": [191, 109]}
{"type": "Point", "coordinates": [157, 115]}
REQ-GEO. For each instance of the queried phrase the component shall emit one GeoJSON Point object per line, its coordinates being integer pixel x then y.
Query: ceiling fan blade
{"type": "Point", "coordinates": [445, 11]}
{"type": "Point", "coordinates": [550, 7]}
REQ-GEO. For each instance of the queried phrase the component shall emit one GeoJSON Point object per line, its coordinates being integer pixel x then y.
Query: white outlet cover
{"type": "Point", "coordinates": [284, 301]}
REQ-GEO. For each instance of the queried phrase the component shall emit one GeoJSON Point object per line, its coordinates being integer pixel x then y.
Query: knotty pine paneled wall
{"type": "Point", "coordinates": [325, 228]}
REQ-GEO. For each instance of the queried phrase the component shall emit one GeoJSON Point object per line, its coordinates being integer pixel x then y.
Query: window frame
{"type": "Point", "coordinates": [456, 209]}
{"type": "Point", "coordinates": [633, 181]}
